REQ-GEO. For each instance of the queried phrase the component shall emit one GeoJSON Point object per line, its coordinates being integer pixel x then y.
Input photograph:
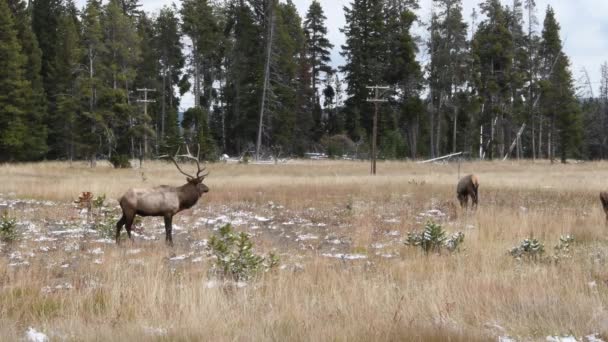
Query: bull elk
{"type": "Point", "coordinates": [163, 200]}
{"type": "Point", "coordinates": [468, 186]}
{"type": "Point", "coordinates": [604, 199]}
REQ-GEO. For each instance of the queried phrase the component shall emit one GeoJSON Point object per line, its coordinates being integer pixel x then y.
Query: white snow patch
{"type": "Point", "coordinates": [393, 233]}
{"type": "Point", "coordinates": [98, 261]}
{"type": "Point", "coordinates": [31, 335]}
{"type": "Point", "coordinates": [593, 338]}
{"type": "Point", "coordinates": [345, 256]}
{"type": "Point", "coordinates": [197, 259]}
{"type": "Point", "coordinates": [179, 257]}
{"type": "Point", "coordinates": [505, 339]}
{"type": "Point", "coordinates": [96, 251]}
{"type": "Point", "coordinates": [262, 219]}
{"type": "Point", "coordinates": [592, 284]}
{"type": "Point", "coordinates": [304, 237]}
{"type": "Point", "coordinates": [155, 331]}
{"type": "Point", "coordinates": [134, 251]}
{"type": "Point", "coordinates": [561, 339]}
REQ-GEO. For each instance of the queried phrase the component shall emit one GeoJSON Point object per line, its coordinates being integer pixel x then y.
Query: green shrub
{"type": "Point", "coordinates": [235, 258]}
{"type": "Point", "coordinates": [8, 228]}
{"type": "Point", "coordinates": [120, 161]}
{"type": "Point", "coordinates": [433, 239]}
{"type": "Point", "coordinates": [529, 249]}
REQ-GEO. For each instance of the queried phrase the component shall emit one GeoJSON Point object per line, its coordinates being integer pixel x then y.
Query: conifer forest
{"type": "Point", "coordinates": [107, 81]}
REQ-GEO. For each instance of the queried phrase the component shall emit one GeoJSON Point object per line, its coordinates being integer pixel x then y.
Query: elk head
{"type": "Point", "coordinates": [195, 181]}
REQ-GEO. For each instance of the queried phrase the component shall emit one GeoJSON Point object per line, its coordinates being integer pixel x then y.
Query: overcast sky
{"type": "Point", "coordinates": [584, 29]}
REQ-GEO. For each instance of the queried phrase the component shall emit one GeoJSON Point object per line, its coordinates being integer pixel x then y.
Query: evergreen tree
{"type": "Point", "coordinates": [91, 123]}
{"type": "Point", "coordinates": [492, 51]}
{"type": "Point", "coordinates": [363, 53]}
{"type": "Point", "coordinates": [14, 90]}
{"type": "Point", "coordinates": [169, 50]}
{"type": "Point", "coordinates": [36, 113]}
{"type": "Point", "coordinates": [63, 137]}
{"type": "Point", "coordinates": [558, 101]}
{"type": "Point", "coordinates": [318, 52]}
{"type": "Point", "coordinates": [45, 15]}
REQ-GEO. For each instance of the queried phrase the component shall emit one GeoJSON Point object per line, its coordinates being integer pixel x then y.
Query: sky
{"type": "Point", "coordinates": [584, 30]}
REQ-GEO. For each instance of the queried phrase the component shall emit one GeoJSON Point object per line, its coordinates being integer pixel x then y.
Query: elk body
{"type": "Point", "coordinates": [468, 186]}
{"type": "Point", "coordinates": [604, 199]}
{"type": "Point", "coordinates": [163, 200]}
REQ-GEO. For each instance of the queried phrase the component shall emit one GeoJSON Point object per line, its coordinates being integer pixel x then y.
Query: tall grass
{"type": "Point", "coordinates": [476, 294]}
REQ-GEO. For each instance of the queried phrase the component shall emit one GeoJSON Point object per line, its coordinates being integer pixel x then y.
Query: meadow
{"type": "Point", "coordinates": [345, 273]}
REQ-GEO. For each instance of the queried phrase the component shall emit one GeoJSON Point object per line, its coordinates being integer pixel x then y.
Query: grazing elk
{"type": "Point", "coordinates": [163, 200]}
{"type": "Point", "coordinates": [468, 186]}
{"type": "Point", "coordinates": [604, 199]}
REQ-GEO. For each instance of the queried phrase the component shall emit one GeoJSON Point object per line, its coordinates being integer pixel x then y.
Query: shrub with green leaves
{"type": "Point", "coordinates": [120, 161]}
{"type": "Point", "coordinates": [8, 228]}
{"type": "Point", "coordinates": [529, 249]}
{"type": "Point", "coordinates": [235, 257]}
{"type": "Point", "coordinates": [562, 249]}
{"type": "Point", "coordinates": [433, 238]}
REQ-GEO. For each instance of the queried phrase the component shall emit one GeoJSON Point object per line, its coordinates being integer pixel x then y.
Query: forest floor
{"type": "Point", "coordinates": [344, 273]}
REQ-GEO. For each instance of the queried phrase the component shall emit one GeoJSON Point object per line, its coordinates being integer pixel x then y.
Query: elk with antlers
{"type": "Point", "coordinates": [163, 200]}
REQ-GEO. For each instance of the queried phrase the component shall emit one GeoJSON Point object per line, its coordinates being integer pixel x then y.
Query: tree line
{"type": "Point", "coordinates": [72, 81]}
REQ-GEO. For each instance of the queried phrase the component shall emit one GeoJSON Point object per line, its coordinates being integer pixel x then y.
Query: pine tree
{"type": "Point", "coordinates": [35, 143]}
{"type": "Point", "coordinates": [403, 74]}
{"type": "Point", "coordinates": [63, 137]}
{"type": "Point", "coordinates": [363, 53]}
{"type": "Point", "coordinates": [558, 101]}
{"type": "Point", "coordinates": [492, 52]}
{"type": "Point", "coordinates": [45, 14]}
{"type": "Point", "coordinates": [318, 52]}
{"type": "Point", "coordinates": [200, 25]}
{"type": "Point", "coordinates": [169, 50]}
{"type": "Point", "coordinates": [91, 124]}
{"type": "Point", "coordinates": [14, 89]}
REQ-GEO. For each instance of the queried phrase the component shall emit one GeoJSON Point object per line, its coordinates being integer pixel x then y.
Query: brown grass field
{"type": "Point", "coordinates": [75, 286]}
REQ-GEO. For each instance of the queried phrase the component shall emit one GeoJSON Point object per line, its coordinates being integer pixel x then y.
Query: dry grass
{"type": "Point", "coordinates": [459, 297]}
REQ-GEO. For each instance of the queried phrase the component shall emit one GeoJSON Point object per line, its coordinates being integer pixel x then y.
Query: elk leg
{"type": "Point", "coordinates": [168, 237]}
{"type": "Point", "coordinates": [461, 199]}
{"type": "Point", "coordinates": [474, 200]}
{"type": "Point", "coordinates": [119, 225]}
{"type": "Point", "coordinates": [130, 220]}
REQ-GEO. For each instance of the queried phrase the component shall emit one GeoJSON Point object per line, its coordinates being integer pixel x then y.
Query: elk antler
{"type": "Point", "coordinates": [196, 160]}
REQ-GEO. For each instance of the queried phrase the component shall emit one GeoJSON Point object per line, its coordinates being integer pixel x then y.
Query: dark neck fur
{"type": "Point", "coordinates": [188, 196]}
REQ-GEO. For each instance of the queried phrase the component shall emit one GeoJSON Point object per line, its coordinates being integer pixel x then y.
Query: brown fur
{"type": "Point", "coordinates": [163, 200]}
{"type": "Point", "coordinates": [604, 199]}
{"type": "Point", "coordinates": [468, 186]}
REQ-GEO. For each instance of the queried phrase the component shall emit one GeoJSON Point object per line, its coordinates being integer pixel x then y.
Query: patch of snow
{"type": "Point", "coordinates": [20, 263]}
{"type": "Point", "coordinates": [305, 237]}
{"type": "Point", "coordinates": [561, 339]}
{"type": "Point", "coordinates": [335, 241]}
{"type": "Point", "coordinates": [345, 256]}
{"type": "Point", "coordinates": [179, 257]}
{"type": "Point", "coordinates": [134, 251]}
{"type": "Point", "coordinates": [98, 261]}
{"type": "Point", "coordinates": [593, 338]}
{"type": "Point", "coordinates": [262, 219]}
{"type": "Point", "coordinates": [592, 284]}
{"type": "Point", "coordinates": [393, 233]}
{"type": "Point", "coordinates": [506, 339]}
{"type": "Point", "coordinates": [379, 245]}
{"type": "Point", "coordinates": [96, 251]}
{"type": "Point", "coordinates": [65, 265]}
{"type": "Point", "coordinates": [155, 331]}
{"type": "Point", "coordinates": [197, 259]}
{"type": "Point", "coordinates": [31, 335]}
{"type": "Point", "coordinates": [288, 223]}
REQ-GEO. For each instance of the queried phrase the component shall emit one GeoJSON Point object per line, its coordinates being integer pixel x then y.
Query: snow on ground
{"type": "Point", "coordinates": [32, 335]}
